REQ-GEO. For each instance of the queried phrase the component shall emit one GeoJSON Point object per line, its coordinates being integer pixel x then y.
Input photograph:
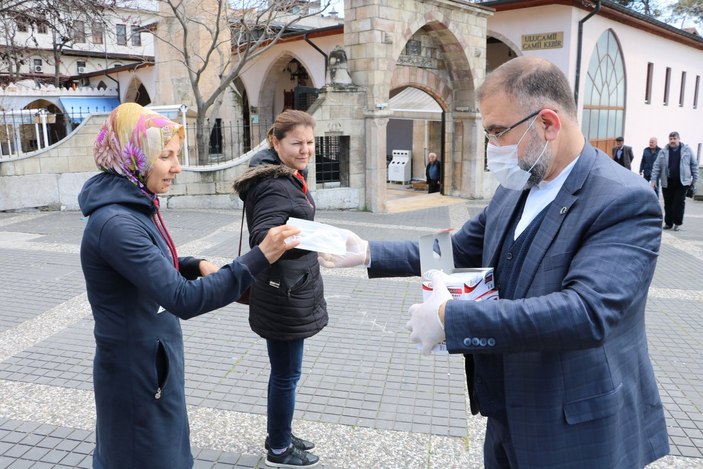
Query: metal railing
{"type": "Point", "coordinates": [29, 130]}
{"type": "Point", "coordinates": [227, 141]}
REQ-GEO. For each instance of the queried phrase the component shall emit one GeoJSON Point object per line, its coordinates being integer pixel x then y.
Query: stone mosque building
{"type": "Point", "coordinates": [392, 81]}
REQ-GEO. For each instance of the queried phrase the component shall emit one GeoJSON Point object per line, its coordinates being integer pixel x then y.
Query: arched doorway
{"type": "Point", "coordinates": [56, 126]}
{"type": "Point", "coordinates": [288, 85]}
{"type": "Point", "coordinates": [137, 93]}
{"type": "Point", "coordinates": [416, 127]}
{"type": "Point", "coordinates": [498, 51]}
{"type": "Point", "coordinates": [434, 62]}
{"type": "Point", "coordinates": [604, 93]}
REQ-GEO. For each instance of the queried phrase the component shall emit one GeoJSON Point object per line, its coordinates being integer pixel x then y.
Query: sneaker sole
{"type": "Point", "coordinates": [291, 466]}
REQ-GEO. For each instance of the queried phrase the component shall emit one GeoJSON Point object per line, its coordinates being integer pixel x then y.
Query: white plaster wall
{"type": "Point", "coordinates": [509, 26]}
{"type": "Point", "coordinates": [642, 120]}
{"type": "Point", "coordinates": [638, 48]}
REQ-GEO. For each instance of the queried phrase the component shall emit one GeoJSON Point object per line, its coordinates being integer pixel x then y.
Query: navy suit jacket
{"type": "Point", "coordinates": [579, 386]}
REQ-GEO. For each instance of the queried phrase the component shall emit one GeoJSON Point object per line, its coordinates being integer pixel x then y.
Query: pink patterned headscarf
{"type": "Point", "coordinates": [131, 139]}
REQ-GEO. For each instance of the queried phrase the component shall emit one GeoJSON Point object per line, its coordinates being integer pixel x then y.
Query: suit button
{"type": "Point", "coordinates": [510, 255]}
{"type": "Point", "coordinates": [475, 341]}
{"type": "Point", "coordinates": [491, 342]}
{"type": "Point", "coordinates": [467, 342]}
{"type": "Point", "coordinates": [482, 342]}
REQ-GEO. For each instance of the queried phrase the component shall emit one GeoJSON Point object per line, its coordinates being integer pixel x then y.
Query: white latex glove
{"type": "Point", "coordinates": [357, 253]}
{"type": "Point", "coordinates": [424, 324]}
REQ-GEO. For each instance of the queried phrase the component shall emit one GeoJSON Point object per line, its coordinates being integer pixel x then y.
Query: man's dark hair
{"type": "Point", "coordinates": [534, 82]}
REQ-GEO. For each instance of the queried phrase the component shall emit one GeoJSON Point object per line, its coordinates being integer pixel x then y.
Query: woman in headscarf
{"type": "Point", "coordinates": [138, 289]}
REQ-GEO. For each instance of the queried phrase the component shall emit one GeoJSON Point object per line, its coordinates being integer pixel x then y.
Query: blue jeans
{"type": "Point", "coordinates": [286, 358]}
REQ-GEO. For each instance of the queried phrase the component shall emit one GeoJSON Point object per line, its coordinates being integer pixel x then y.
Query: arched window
{"type": "Point", "coordinates": [604, 100]}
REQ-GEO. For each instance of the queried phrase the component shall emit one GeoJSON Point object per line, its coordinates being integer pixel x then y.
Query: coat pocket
{"type": "Point", "coordinates": [161, 369]}
{"type": "Point", "coordinates": [594, 407]}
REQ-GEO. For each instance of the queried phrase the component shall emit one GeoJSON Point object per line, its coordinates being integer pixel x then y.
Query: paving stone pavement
{"type": "Point", "coordinates": [366, 397]}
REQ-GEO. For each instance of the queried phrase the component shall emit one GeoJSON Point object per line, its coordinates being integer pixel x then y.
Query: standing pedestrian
{"type": "Point", "coordinates": [622, 153]}
{"type": "Point", "coordinates": [287, 302]}
{"type": "Point", "coordinates": [559, 364]}
{"type": "Point", "coordinates": [433, 173]}
{"type": "Point", "coordinates": [675, 170]}
{"type": "Point", "coordinates": [138, 288]}
{"type": "Point", "coordinates": [649, 155]}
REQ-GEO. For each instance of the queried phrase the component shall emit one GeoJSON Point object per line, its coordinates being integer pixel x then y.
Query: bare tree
{"type": "Point", "coordinates": [219, 37]}
{"type": "Point", "coordinates": [691, 10]}
{"type": "Point", "coordinates": [646, 7]}
{"type": "Point", "coordinates": [13, 53]}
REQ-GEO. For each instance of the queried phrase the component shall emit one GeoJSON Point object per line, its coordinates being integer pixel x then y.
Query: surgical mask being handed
{"type": "Point", "coordinates": [504, 165]}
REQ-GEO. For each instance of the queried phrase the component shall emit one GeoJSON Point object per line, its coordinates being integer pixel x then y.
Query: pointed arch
{"type": "Point", "coordinates": [279, 83]}
{"type": "Point", "coordinates": [137, 93]}
{"type": "Point", "coordinates": [604, 93]}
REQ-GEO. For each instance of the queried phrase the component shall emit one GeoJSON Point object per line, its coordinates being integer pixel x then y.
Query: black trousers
{"type": "Point", "coordinates": [432, 186]}
{"type": "Point", "coordinates": [498, 450]}
{"type": "Point", "coordinates": [674, 202]}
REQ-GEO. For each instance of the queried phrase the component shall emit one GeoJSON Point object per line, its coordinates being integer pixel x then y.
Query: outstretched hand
{"type": "Point", "coordinates": [357, 253]}
{"type": "Point", "coordinates": [275, 243]}
{"type": "Point", "coordinates": [424, 325]}
{"type": "Point", "coordinates": [207, 268]}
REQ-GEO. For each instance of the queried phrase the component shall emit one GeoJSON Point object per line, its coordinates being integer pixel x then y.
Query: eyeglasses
{"type": "Point", "coordinates": [493, 138]}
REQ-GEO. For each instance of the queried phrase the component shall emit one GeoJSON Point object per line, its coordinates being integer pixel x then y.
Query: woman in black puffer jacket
{"type": "Point", "coordinates": [287, 303]}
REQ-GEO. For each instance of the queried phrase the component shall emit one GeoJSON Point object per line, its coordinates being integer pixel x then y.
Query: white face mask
{"type": "Point", "coordinates": [504, 165]}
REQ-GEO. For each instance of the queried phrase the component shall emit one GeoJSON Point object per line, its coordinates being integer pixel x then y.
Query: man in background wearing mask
{"type": "Point", "coordinates": [558, 364]}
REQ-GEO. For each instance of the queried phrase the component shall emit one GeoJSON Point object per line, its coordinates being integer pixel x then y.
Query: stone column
{"type": "Point", "coordinates": [469, 179]}
{"type": "Point", "coordinates": [375, 126]}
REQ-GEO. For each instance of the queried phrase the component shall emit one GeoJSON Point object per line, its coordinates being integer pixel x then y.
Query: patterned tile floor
{"type": "Point", "coordinates": [364, 390]}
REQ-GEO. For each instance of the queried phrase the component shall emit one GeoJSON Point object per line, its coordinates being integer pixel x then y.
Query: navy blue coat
{"type": "Point", "coordinates": [137, 297]}
{"type": "Point", "coordinates": [580, 390]}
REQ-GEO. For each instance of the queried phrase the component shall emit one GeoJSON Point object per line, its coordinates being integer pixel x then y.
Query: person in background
{"type": "Point", "coordinates": [138, 288]}
{"type": "Point", "coordinates": [287, 302]}
{"type": "Point", "coordinates": [433, 173]}
{"type": "Point", "coordinates": [559, 364]}
{"type": "Point", "coordinates": [676, 171]}
{"type": "Point", "coordinates": [622, 154]}
{"type": "Point", "coordinates": [649, 155]}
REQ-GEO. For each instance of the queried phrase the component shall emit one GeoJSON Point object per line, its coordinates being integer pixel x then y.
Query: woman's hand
{"type": "Point", "coordinates": [207, 268]}
{"type": "Point", "coordinates": [276, 242]}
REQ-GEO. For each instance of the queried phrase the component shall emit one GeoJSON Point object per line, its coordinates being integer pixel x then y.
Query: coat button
{"type": "Point", "coordinates": [510, 255]}
{"type": "Point", "coordinates": [491, 342]}
{"type": "Point", "coordinates": [467, 342]}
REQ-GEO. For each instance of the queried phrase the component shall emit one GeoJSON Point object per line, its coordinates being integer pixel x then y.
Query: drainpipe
{"type": "Point", "coordinates": [579, 45]}
{"type": "Point", "coordinates": [119, 98]}
{"type": "Point", "coordinates": [319, 50]}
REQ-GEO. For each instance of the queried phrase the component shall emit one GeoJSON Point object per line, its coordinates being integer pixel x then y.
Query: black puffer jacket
{"type": "Point", "coordinates": [287, 300]}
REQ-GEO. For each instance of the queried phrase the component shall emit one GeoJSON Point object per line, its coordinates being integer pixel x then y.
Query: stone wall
{"type": "Point", "coordinates": [52, 178]}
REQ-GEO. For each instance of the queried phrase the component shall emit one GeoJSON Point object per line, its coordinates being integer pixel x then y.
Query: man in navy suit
{"type": "Point", "coordinates": [559, 364]}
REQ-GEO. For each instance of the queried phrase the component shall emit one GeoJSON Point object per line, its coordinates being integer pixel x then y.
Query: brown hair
{"type": "Point", "coordinates": [286, 121]}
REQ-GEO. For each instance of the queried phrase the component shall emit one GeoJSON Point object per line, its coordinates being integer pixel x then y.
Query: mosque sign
{"type": "Point", "coordinates": [543, 41]}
